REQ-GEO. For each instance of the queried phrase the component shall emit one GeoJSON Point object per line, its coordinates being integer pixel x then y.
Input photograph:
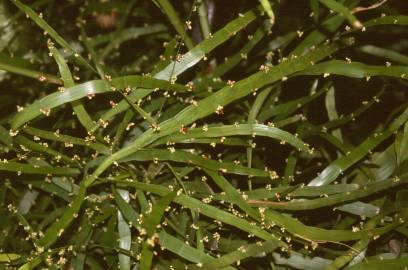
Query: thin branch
{"type": "Point", "coordinates": [376, 5]}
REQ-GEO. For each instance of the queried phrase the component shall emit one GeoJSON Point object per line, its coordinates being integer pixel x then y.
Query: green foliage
{"type": "Point", "coordinates": [203, 134]}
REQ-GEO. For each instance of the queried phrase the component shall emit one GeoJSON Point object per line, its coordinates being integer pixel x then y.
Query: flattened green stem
{"type": "Point", "coordinates": [204, 108]}
{"type": "Point", "coordinates": [185, 251]}
{"type": "Point", "coordinates": [46, 27]}
{"type": "Point", "coordinates": [66, 75]}
{"type": "Point", "coordinates": [146, 116]}
{"type": "Point", "coordinates": [203, 17]}
{"type": "Point", "coordinates": [150, 223]}
{"type": "Point", "coordinates": [56, 136]}
{"type": "Point", "coordinates": [194, 214]}
{"type": "Point", "coordinates": [95, 58]}
{"type": "Point", "coordinates": [24, 168]}
{"type": "Point", "coordinates": [358, 247]}
{"type": "Point", "coordinates": [292, 225]}
{"type": "Point", "coordinates": [57, 229]}
{"type": "Point", "coordinates": [30, 73]}
{"type": "Point", "coordinates": [337, 167]}
{"type": "Point", "coordinates": [87, 89]}
{"type": "Point", "coordinates": [125, 234]}
{"type": "Point", "coordinates": [205, 209]}
{"type": "Point", "coordinates": [385, 53]}
{"type": "Point", "coordinates": [175, 21]}
{"type": "Point", "coordinates": [343, 11]}
{"type": "Point", "coordinates": [268, 9]}
{"type": "Point", "coordinates": [122, 128]}
{"type": "Point", "coordinates": [246, 251]}
{"type": "Point", "coordinates": [356, 70]}
{"type": "Point", "coordinates": [187, 61]}
{"type": "Point", "coordinates": [207, 105]}
{"type": "Point", "coordinates": [317, 36]}
{"type": "Point", "coordinates": [36, 147]}
{"type": "Point", "coordinates": [367, 190]}
{"type": "Point", "coordinates": [256, 107]}
{"type": "Point", "coordinates": [241, 55]}
{"type": "Point", "coordinates": [380, 264]}
{"type": "Point", "coordinates": [330, 102]}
